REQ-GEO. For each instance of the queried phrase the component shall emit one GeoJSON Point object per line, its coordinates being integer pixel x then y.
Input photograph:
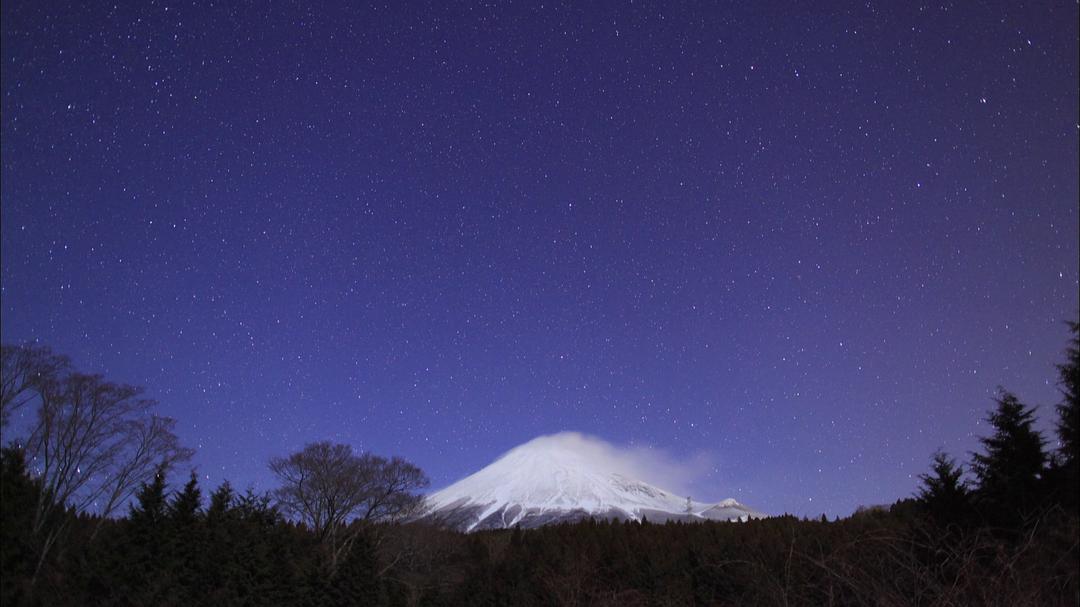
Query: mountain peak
{"type": "Point", "coordinates": [560, 477]}
{"type": "Point", "coordinates": [573, 449]}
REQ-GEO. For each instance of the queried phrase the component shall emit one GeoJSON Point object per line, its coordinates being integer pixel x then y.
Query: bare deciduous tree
{"type": "Point", "coordinates": [23, 370]}
{"type": "Point", "coordinates": [327, 486]}
{"type": "Point", "coordinates": [149, 445]}
{"type": "Point", "coordinates": [92, 442]}
{"type": "Point", "coordinates": [95, 442]}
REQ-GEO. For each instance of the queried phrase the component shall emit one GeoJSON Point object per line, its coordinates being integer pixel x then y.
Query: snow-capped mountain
{"type": "Point", "coordinates": [563, 477]}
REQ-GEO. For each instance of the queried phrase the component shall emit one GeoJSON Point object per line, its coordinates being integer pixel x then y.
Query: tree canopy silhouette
{"type": "Point", "coordinates": [327, 486]}
{"type": "Point", "coordinates": [1010, 472]}
{"type": "Point", "coordinates": [944, 494]}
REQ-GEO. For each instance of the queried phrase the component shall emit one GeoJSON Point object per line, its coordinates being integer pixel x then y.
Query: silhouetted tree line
{"type": "Point", "coordinates": [1001, 530]}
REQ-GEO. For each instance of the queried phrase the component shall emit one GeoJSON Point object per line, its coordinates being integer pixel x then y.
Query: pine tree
{"type": "Point", "coordinates": [186, 543]}
{"type": "Point", "coordinates": [151, 508]}
{"type": "Point", "coordinates": [356, 580]}
{"type": "Point", "coordinates": [1069, 410]}
{"type": "Point", "coordinates": [944, 495]}
{"type": "Point", "coordinates": [1067, 472]}
{"type": "Point", "coordinates": [1010, 472]}
{"type": "Point", "coordinates": [184, 508]}
{"type": "Point", "coordinates": [19, 493]}
{"type": "Point", "coordinates": [145, 550]}
{"type": "Point", "coordinates": [221, 501]}
{"type": "Point", "coordinates": [219, 569]}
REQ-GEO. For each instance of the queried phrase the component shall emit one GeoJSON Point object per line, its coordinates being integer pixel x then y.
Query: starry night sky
{"type": "Point", "coordinates": [806, 242]}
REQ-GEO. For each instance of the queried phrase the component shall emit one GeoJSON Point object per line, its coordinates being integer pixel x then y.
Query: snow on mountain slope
{"type": "Point", "coordinates": [560, 477]}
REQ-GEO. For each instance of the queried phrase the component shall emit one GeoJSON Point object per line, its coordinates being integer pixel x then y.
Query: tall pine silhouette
{"type": "Point", "coordinates": [944, 494]}
{"type": "Point", "coordinates": [144, 546]}
{"type": "Point", "coordinates": [1010, 472]}
{"type": "Point", "coordinates": [1067, 471]}
{"type": "Point", "coordinates": [152, 505]}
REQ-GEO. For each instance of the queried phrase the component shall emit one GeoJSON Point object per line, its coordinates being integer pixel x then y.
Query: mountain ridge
{"type": "Point", "coordinates": [559, 478]}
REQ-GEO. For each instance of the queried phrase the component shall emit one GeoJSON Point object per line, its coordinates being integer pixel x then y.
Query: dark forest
{"type": "Point", "coordinates": [1002, 530]}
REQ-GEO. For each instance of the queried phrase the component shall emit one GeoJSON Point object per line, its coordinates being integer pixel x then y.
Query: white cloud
{"type": "Point", "coordinates": [650, 464]}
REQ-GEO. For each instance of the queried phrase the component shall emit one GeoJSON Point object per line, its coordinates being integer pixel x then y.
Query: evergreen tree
{"type": "Point", "coordinates": [221, 502]}
{"type": "Point", "coordinates": [256, 509]}
{"type": "Point", "coordinates": [1069, 410]}
{"type": "Point", "coordinates": [944, 494]}
{"type": "Point", "coordinates": [146, 578]}
{"type": "Point", "coordinates": [219, 567]}
{"type": "Point", "coordinates": [184, 508]}
{"type": "Point", "coordinates": [356, 580]}
{"type": "Point", "coordinates": [186, 544]}
{"type": "Point", "coordinates": [1066, 472]}
{"type": "Point", "coordinates": [151, 508]}
{"type": "Point", "coordinates": [1010, 472]}
{"type": "Point", "coordinates": [19, 494]}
